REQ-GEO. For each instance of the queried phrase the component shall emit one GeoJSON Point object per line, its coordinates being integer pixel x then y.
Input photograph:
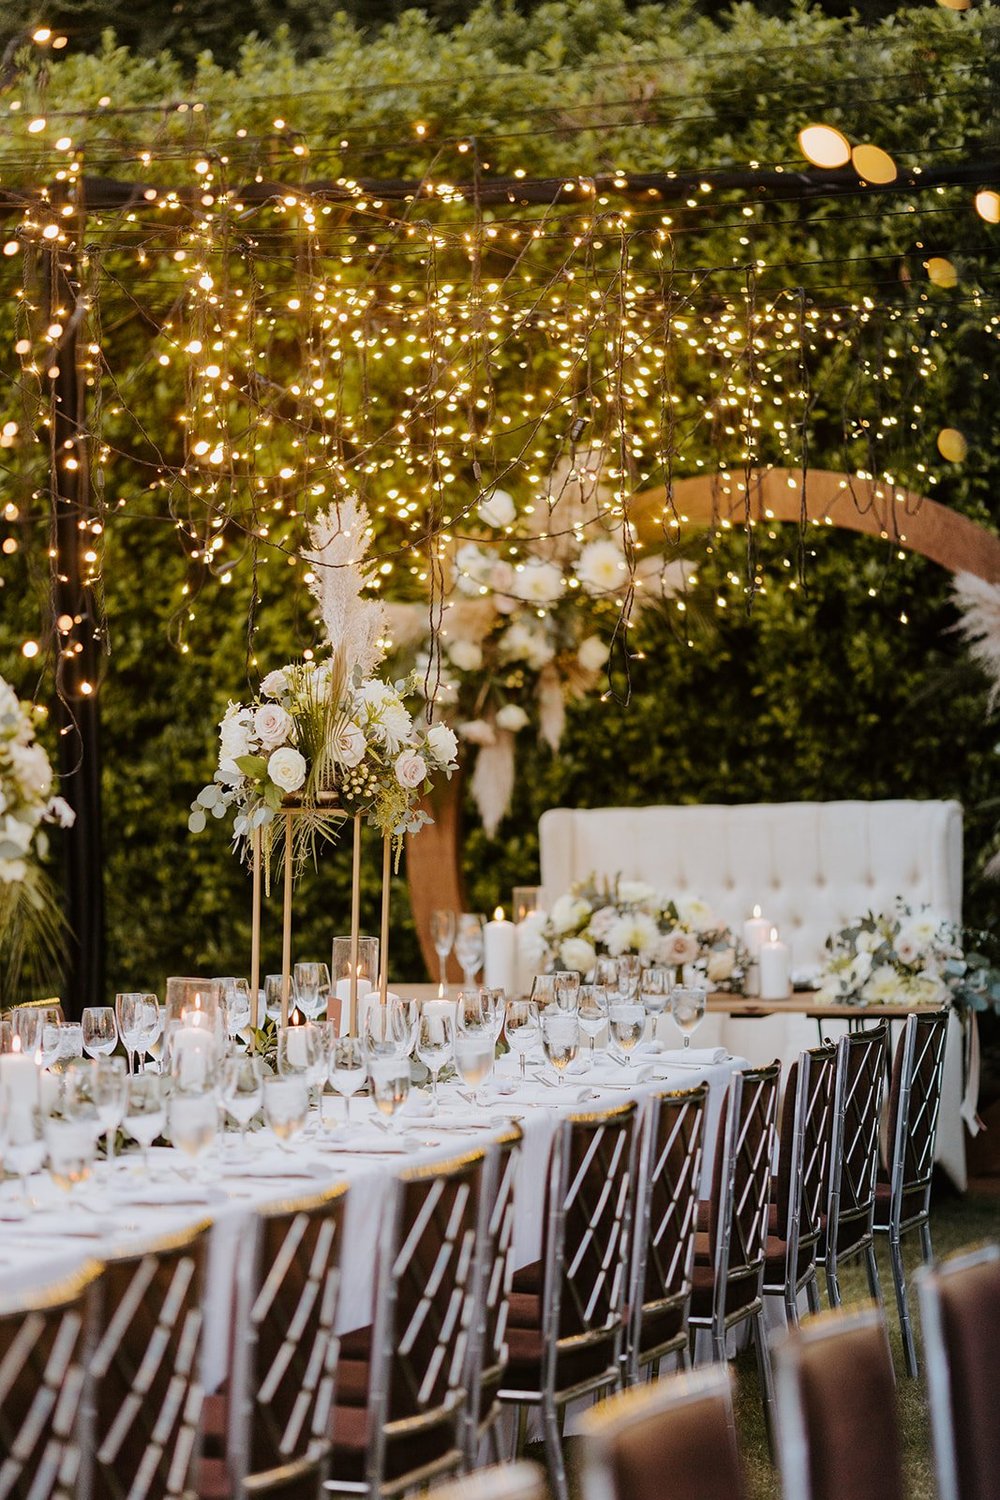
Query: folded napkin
{"type": "Point", "coordinates": [366, 1139]}
{"type": "Point", "coordinates": [263, 1168]}
{"type": "Point", "coordinates": [469, 1120]}
{"type": "Point", "coordinates": [157, 1194]}
{"type": "Point", "coordinates": [696, 1057]}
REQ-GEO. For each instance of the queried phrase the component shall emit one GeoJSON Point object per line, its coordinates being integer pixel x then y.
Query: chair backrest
{"type": "Point", "coordinates": [857, 1105]}
{"type": "Point", "coordinates": [914, 1106]}
{"type": "Point", "coordinates": [741, 1180]}
{"type": "Point", "coordinates": [675, 1436]}
{"type": "Point", "coordinates": [666, 1193]}
{"type": "Point", "coordinates": [282, 1381]}
{"type": "Point", "coordinates": [803, 1188]}
{"type": "Point", "coordinates": [836, 1397]}
{"type": "Point", "coordinates": [487, 1354]}
{"type": "Point", "coordinates": [43, 1352]}
{"type": "Point", "coordinates": [960, 1315]}
{"type": "Point", "coordinates": [145, 1368]}
{"type": "Point", "coordinates": [427, 1256]}
{"type": "Point", "coordinates": [587, 1230]}
{"type": "Point", "coordinates": [510, 1481]}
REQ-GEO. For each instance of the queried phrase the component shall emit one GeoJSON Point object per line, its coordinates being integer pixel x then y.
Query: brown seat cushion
{"type": "Point", "coordinates": [912, 1204]}
{"type": "Point", "coordinates": [404, 1452]}
{"type": "Point", "coordinates": [525, 1346]}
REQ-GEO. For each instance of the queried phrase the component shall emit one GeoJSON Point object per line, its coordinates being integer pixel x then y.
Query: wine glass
{"type": "Point", "coordinates": [286, 1105]}
{"type": "Point", "coordinates": [469, 941]}
{"type": "Point", "coordinates": [443, 925]}
{"type": "Point", "coordinates": [21, 1141]}
{"type": "Point", "coordinates": [566, 988]}
{"type": "Point", "coordinates": [521, 1027]}
{"type": "Point", "coordinates": [312, 987]}
{"type": "Point", "coordinates": [145, 1110]}
{"type": "Point", "coordinates": [390, 1085]}
{"type": "Point", "coordinates": [629, 974]}
{"type": "Point", "coordinates": [560, 1038]}
{"type": "Point", "coordinates": [386, 1029]}
{"type": "Point", "coordinates": [28, 1025]}
{"type": "Point", "coordinates": [347, 1069]}
{"type": "Point", "coordinates": [435, 1042]}
{"type": "Point", "coordinates": [242, 1091]}
{"type": "Point", "coordinates": [237, 1007]}
{"type": "Point", "coordinates": [150, 1027]}
{"type": "Point", "coordinates": [298, 1050]}
{"type": "Point", "coordinates": [129, 1011]}
{"type": "Point", "coordinates": [606, 972]}
{"type": "Point", "coordinates": [194, 1120]}
{"type": "Point", "coordinates": [110, 1095]}
{"type": "Point", "coordinates": [71, 1126]}
{"type": "Point", "coordinates": [626, 1022]}
{"type": "Point", "coordinates": [494, 1002]}
{"type": "Point", "coordinates": [100, 1030]}
{"type": "Point", "coordinates": [687, 1006]}
{"type": "Point", "coordinates": [475, 1047]}
{"type": "Point", "coordinates": [273, 984]}
{"type": "Point", "coordinates": [70, 1045]}
{"type": "Point", "coordinates": [592, 1012]}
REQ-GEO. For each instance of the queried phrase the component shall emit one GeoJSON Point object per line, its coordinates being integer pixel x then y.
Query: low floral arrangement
{"type": "Point", "coordinates": [908, 956]}
{"type": "Point", "coordinates": [30, 918]}
{"type": "Point", "coordinates": [328, 736]}
{"type": "Point", "coordinates": [597, 918]}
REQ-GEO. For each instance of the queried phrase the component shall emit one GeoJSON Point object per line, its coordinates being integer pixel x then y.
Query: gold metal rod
{"type": "Point", "coordinates": [255, 937]}
{"type": "Point", "coordinates": [286, 935]}
{"type": "Point", "coordinates": [383, 982]}
{"type": "Point", "coordinates": [352, 1014]}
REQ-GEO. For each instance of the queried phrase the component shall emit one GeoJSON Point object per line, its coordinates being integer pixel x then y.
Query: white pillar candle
{"type": "Point", "coordinates": [192, 1052]}
{"type": "Point", "coordinates": [756, 930]}
{"type": "Point", "coordinates": [298, 1051]}
{"type": "Point", "coordinates": [500, 954]}
{"type": "Point", "coordinates": [775, 960]}
{"type": "Point", "coordinates": [343, 992]}
{"type": "Point", "coordinates": [19, 1077]}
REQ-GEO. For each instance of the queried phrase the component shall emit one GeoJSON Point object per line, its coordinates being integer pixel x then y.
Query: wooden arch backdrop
{"type": "Point", "coordinates": [825, 498]}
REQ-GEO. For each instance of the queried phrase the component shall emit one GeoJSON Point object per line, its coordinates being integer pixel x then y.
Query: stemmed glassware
{"type": "Point", "coordinates": [390, 1085]}
{"type": "Point", "coordinates": [130, 1011]}
{"type": "Point", "coordinates": [21, 1142]}
{"type": "Point", "coordinates": [272, 996]}
{"type": "Point", "coordinates": [242, 1091]}
{"type": "Point", "coordinates": [71, 1125]}
{"type": "Point", "coordinates": [145, 1110]}
{"type": "Point", "coordinates": [687, 1006]}
{"type": "Point", "coordinates": [560, 1038]}
{"type": "Point", "coordinates": [348, 1070]}
{"type": "Point", "coordinates": [469, 944]}
{"type": "Point", "coordinates": [312, 987]}
{"type": "Point", "coordinates": [626, 1022]}
{"type": "Point", "coordinates": [237, 1007]}
{"type": "Point", "coordinates": [100, 1030]}
{"type": "Point", "coordinates": [629, 975]}
{"type": "Point", "coordinates": [435, 1042]}
{"type": "Point", "coordinates": [522, 1028]}
{"type": "Point", "coordinates": [560, 988]}
{"type": "Point", "coordinates": [592, 1012]}
{"type": "Point", "coordinates": [110, 1096]}
{"type": "Point", "coordinates": [298, 1050]}
{"type": "Point", "coordinates": [475, 1041]}
{"type": "Point", "coordinates": [443, 926]}
{"type": "Point", "coordinates": [70, 1044]}
{"type": "Point", "coordinates": [388, 1030]}
{"type": "Point", "coordinates": [286, 1105]}
{"type": "Point", "coordinates": [151, 1027]}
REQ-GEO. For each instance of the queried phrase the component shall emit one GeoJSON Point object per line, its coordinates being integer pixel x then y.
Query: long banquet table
{"type": "Point", "coordinates": [122, 1207]}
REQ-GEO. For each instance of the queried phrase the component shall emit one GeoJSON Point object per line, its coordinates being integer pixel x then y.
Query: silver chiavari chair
{"type": "Point", "coordinates": [675, 1436]}
{"type": "Point", "coordinates": [567, 1310]}
{"type": "Point", "coordinates": [837, 1430]}
{"type": "Point", "coordinates": [667, 1189]}
{"type": "Point", "coordinates": [729, 1260]}
{"type": "Point", "coordinates": [960, 1315]}
{"type": "Point", "coordinates": [270, 1433]}
{"type": "Point", "coordinates": [400, 1414]}
{"type": "Point", "coordinates": [43, 1356]}
{"type": "Point", "coordinates": [487, 1356]}
{"type": "Point", "coordinates": [802, 1189]}
{"type": "Point", "coordinates": [145, 1394]}
{"type": "Point", "coordinates": [854, 1148]}
{"type": "Point", "coordinates": [904, 1202]}
{"type": "Point", "coordinates": [516, 1481]}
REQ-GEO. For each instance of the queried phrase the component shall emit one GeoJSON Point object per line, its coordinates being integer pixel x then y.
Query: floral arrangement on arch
{"type": "Point", "coordinates": [31, 922]}
{"type": "Point", "coordinates": [533, 595]}
{"type": "Point", "coordinates": [328, 736]}
{"type": "Point", "coordinates": [907, 956]}
{"type": "Point", "coordinates": [596, 918]}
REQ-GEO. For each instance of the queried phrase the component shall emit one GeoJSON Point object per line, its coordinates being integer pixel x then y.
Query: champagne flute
{"type": "Point", "coordinates": [627, 1022]}
{"type": "Point", "coordinates": [110, 1095]}
{"type": "Point", "coordinates": [242, 1091]}
{"type": "Point", "coordinates": [469, 943]}
{"type": "Point", "coordinates": [435, 1042]}
{"type": "Point", "coordinates": [145, 1111]}
{"type": "Point", "coordinates": [560, 1039]}
{"type": "Point", "coordinates": [592, 1012]}
{"type": "Point", "coordinates": [347, 1070]}
{"type": "Point", "coordinates": [443, 926]}
{"type": "Point", "coordinates": [521, 1027]}
{"type": "Point", "coordinates": [390, 1086]}
{"type": "Point", "coordinates": [100, 1030]}
{"type": "Point", "coordinates": [286, 1105]}
{"type": "Point", "coordinates": [687, 1006]}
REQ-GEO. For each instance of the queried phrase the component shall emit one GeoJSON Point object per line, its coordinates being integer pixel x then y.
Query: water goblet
{"type": "Point", "coordinates": [565, 988]}
{"type": "Point", "coordinates": [286, 1105]}
{"type": "Point", "coordinates": [312, 987]}
{"type": "Point", "coordinates": [100, 1030]}
{"type": "Point", "coordinates": [443, 926]}
{"type": "Point", "coordinates": [629, 974]}
{"type": "Point", "coordinates": [71, 1125]}
{"type": "Point", "coordinates": [386, 1030]}
{"type": "Point", "coordinates": [592, 1012]}
{"type": "Point", "coordinates": [27, 1024]}
{"type": "Point", "coordinates": [560, 1039]}
{"type": "Point", "coordinates": [110, 1096]}
{"type": "Point", "coordinates": [237, 1007]}
{"type": "Point", "coordinates": [606, 972]}
{"type": "Point", "coordinates": [521, 1028]}
{"type": "Point", "coordinates": [242, 1091]}
{"type": "Point", "coordinates": [469, 943]}
{"type": "Point", "coordinates": [390, 1085]}
{"type": "Point", "coordinates": [475, 1048]}
{"type": "Point", "coordinates": [70, 1045]}
{"type": "Point", "coordinates": [129, 1012]}
{"type": "Point", "coordinates": [22, 1143]}
{"type": "Point", "coordinates": [273, 985]}
{"type": "Point", "coordinates": [193, 1120]}
{"type": "Point", "coordinates": [150, 1029]}
{"type": "Point", "coordinates": [347, 1069]}
{"type": "Point", "coordinates": [435, 1041]}
{"type": "Point", "coordinates": [626, 1022]}
{"type": "Point", "coordinates": [687, 1007]}
{"type": "Point", "coordinates": [494, 1003]}
{"type": "Point", "coordinates": [145, 1110]}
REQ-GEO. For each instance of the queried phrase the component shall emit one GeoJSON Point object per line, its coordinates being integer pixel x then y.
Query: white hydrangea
{"type": "Point", "coordinates": [568, 913]}
{"type": "Point", "coordinates": [601, 567]}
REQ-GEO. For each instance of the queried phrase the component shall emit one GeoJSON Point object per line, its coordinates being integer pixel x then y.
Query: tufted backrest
{"type": "Point", "coordinates": [810, 866]}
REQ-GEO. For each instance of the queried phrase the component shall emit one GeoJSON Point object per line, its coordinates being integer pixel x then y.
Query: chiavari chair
{"type": "Point", "coordinates": [854, 1147]}
{"type": "Point", "coordinates": [567, 1310]}
{"type": "Point", "coordinates": [674, 1436]}
{"type": "Point", "coordinates": [145, 1392]}
{"type": "Point", "coordinates": [400, 1414]}
{"type": "Point", "coordinates": [727, 1278]}
{"type": "Point", "coordinates": [512, 1481]}
{"type": "Point", "coordinates": [903, 1203]}
{"type": "Point", "coordinates": [836, 1394]}
{"type": "Point", "coordinates": [960, 1315]}
{"type": "Point", "coordinates": [487, 1354]}
{"type": "Point", "coordinates": [802, 1187]}
{"type": "Point", "coordinates": [43, 1357]}
{"type": "Point", "coordinates": [270, 1433]}
{"type": "Point", "coordinates": [665, 1217]}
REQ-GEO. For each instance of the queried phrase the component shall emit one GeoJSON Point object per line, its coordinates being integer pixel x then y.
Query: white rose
{"type": "Point", "coordinates": [396, 725]}
{"type": "Point", "coordinates": [569, 913]}
{"type": "Point", "coordinates": [467, 655]}
{"type": "Point", "coordinates": [538, 582]}
{"type": "Point", "coordinates": [234, 732]}
{"type": "Point", "coordinates": [635, 892]}
{"type": "Point", "coordinates": [349, 744]}
{"type": "Point", "coordinates": [472, 569]}
{"type": "Point", "coordinates": [531, 943]}
{"type": "Point", "coordinates": [411, 769]}
{"type": "Point", "coordinates": [478, 732]}
{"type": "Point", "coordinates": [602, 922]}
{"type": "Point", "coordinates": [512, 716]}
{"type": "Point", "coordinates": [287, 768]}
{"type": "Point", "coordinates": [721, 963]}
{"type": "Point", "coordinates": [694, 912]}
{"type": "Point", "coordinates": [272, 725]}
{"type": "Point", "coordinates": [592, 654]}
{"type": "Point", "coordinates": [601, 567]}
{"type": "Point", "coordinates": [576, 953]}
{"type": "Point", "coordinates": [32, 769]}
{"type": "Point", "coordinates": [275, 684]}
{"type": "Point", "coordinates": [15, 836]}
{"type": "Point", "coordinates": [497, 509]}
{"type": "Point", "coordinates": [518, 643]}
{"type": "Point", "coordinates": [501, 581]}
{"type": "Point", "coordinates": [442, 742]}
{"type": "Point", "coordinates": [679, 947]}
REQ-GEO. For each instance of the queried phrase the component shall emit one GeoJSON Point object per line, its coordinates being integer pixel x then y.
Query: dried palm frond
{"type": "Point", "coordinates": [493, 780]}
{"type": "Point", "coordinates": [354, 626]}
{"type": "Point", "coordinates": [32, 937]}
{"type": "Point", "coordinates": [979, 603]}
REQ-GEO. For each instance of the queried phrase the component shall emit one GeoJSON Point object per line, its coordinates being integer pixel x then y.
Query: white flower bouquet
{"type": "Point", "coordinates": [906, 957]}
{"type": "Point", "coordinates": [620, 917]}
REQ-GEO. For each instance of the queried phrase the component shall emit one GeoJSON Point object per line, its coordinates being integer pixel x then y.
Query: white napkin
{"type": "Point", "coordinates": [696, 1057]}
{"type": "Point", "coordinates": [269, 1166]}
{"type": "Point", "coordinates": [367, 1139]}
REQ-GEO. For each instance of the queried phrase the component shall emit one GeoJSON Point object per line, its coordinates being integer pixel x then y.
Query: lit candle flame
{"type": "Point", "coordinates": [774, 934]}
{"type": "Point", "coordinates": [756, 912]}
{"type": "Point", "coordinates": [498, 914]}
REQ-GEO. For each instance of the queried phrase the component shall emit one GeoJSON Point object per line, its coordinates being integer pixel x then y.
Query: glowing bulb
{"type": "Point", "coordinates": [824, 146]}
{"type": "Point", "coordinates": [30, 649]}
{"type": "Point", "coordinates": [988, 205]}
{"type": "Point", "coordinates": [873, 164]}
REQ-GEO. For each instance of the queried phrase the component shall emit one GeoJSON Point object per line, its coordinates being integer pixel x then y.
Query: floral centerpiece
{"type": "Point", "coordinates": [30, 918]}
{"type": "Point", "coordinates": [614, 918]}
{"type": "Point", "coordinates": [907, 956]}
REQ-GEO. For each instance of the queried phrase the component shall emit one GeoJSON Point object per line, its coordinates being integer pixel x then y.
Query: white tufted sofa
{"type": "Point", "coordinates": [810, 866]}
